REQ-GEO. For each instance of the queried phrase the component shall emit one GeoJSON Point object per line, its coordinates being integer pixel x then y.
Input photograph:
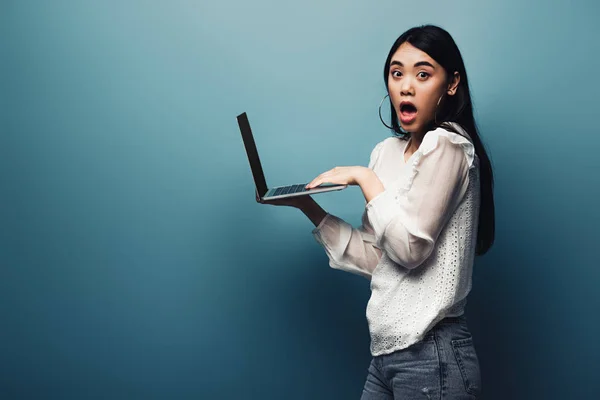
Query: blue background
{"type": "Point", "coordinates": [135, 262]}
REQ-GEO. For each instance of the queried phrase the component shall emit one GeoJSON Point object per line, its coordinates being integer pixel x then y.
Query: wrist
{"type": "Point", "coordinates": [313, 211]}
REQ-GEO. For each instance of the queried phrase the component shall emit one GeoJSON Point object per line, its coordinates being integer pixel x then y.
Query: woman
{"type": "Point", "coordinates": [429, 210]}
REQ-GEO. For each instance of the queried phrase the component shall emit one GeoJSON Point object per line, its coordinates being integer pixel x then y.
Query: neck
{"type": "Point", "coordinates": [415, 141]}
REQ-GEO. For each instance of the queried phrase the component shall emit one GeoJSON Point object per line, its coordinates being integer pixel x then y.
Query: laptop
{"type": "Point", "coordinates": [279, 192]}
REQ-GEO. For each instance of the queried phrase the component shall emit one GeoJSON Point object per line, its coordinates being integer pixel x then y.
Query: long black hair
{"type": "Point", "coordinates": [440, 46]}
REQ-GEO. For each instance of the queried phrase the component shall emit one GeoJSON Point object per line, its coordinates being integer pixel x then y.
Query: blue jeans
{"type": "Point", "coordinates": [444, 365]}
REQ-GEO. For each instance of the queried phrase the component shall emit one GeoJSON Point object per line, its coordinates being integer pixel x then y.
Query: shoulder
{"type": "Point", "coordinates": [380, 146]}
{"type": "Point", "coordinates": [444, 138]}
{"type": "Point", "coordinates": [388, 141]}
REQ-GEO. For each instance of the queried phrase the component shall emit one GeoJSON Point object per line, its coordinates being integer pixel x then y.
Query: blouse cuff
{"type": "Point", "coordinates": [333, 233]}
{"type": "Point", "coordinates": [323, 222]}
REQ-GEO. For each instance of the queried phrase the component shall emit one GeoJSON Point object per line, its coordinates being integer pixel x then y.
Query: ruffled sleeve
{"type": "Point", "coordinates": [350, 249]}
{"type": "Point", "coordinates": [409, 215]}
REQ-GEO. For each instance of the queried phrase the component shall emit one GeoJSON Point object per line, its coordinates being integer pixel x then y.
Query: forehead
{"type": "Point", "coordinates": [408, 55]}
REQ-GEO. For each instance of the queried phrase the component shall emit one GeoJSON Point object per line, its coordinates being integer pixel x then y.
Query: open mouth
{"type": "Point", "coordinates": [408, 108]}
{"type": "Point", "coordinates": [408, 112]}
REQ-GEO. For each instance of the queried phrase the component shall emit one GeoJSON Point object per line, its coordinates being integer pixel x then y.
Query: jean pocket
{"type": "Point", "coordinates": [468, 364]}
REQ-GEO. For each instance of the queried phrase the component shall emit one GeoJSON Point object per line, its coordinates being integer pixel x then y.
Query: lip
{"type": "Point", "coordinates": [407, 120]}
{"type": "Point", "coordinates": [407, 102]}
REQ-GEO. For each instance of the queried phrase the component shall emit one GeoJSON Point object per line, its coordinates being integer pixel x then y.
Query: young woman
{"type": "Point", "coordinates": [429, 210]}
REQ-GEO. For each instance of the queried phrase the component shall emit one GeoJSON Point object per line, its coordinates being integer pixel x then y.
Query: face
{"type": "Point", "coordinates": [417, 80]}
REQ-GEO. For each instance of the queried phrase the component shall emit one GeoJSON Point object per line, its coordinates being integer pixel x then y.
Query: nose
{"type": "Point", "coordinates": [406, 87]}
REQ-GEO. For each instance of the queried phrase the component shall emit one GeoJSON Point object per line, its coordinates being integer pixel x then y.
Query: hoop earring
{"type": "Point", "coordinates": [380, 117]}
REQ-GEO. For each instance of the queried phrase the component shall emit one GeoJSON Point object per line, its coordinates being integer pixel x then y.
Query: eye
{"type": "Point", "coordinates": [396, 74]}
{"type": "Point", "coordinates": [423, 72]}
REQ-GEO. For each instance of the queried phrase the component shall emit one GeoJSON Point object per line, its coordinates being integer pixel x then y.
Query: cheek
{"type": "Point", "coordinates": [395, 98]}
{"type": "Point", "coordinates": [428, 106]}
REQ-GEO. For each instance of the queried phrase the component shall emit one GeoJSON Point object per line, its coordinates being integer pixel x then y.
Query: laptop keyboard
{"type": "Point", "coordinates": [290, 189]}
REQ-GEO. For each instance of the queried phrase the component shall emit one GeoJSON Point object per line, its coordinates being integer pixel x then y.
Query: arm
{"type": "Point", "coordinates": [407, 218]}
{"type": "Point", "coordinates": [349, 249]}
{"type": "Point", "coordinates": [313, 211]}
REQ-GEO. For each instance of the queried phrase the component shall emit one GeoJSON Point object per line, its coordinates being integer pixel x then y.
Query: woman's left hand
{"type": "Point", "coordinates": [341, 176]}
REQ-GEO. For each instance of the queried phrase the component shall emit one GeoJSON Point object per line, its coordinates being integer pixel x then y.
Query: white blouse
{"type": "Point", "coordinates": [417, 239]}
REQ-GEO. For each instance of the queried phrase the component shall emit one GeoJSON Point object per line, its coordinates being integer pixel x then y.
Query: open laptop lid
{"type": "Point", "coordinates": [255, 166]}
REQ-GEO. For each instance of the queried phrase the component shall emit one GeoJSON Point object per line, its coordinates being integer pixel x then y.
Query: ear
{"type": "Point", "coordinates": [453, 86]}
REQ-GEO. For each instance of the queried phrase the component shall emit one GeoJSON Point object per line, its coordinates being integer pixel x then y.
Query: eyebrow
{"type": "Point", "coordinates": [417, 64]}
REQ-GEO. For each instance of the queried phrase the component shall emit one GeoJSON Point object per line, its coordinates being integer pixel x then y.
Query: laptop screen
{"type": "Point", "coordinates": [255, 166]}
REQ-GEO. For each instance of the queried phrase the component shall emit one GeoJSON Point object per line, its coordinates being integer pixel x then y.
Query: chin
{"type": "Point", "coordinates": [414, 127]}
{"type": "Point", "coordinates": [417, 126]}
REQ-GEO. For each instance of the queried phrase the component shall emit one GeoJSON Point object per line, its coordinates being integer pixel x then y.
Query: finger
{"type": "Point", "coordinates": [258, 199]}
{"type": "Point", "coordinates": [319, 179]}
{"type": "Point", "coordinates": [314, 183]}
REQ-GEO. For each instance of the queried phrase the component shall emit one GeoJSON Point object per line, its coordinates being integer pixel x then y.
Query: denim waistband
{"type": "Point", "coordinates": [459, 323]}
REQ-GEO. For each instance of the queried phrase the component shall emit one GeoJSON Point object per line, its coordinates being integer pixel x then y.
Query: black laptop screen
{"type": "Point", "coordinates": [255, 166]}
